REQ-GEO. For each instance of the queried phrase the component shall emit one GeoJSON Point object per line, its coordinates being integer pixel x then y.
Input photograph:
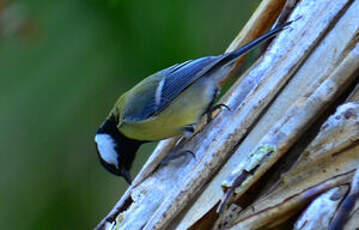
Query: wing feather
{"type": "Point", "coordinates": [172, 81]}
{"type": "Point", "coordinates": [182, 77]}
{"type": "Point", "coordinates": [156, 92]}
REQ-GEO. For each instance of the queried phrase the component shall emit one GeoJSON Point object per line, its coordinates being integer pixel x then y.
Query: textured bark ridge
{"type": "Point", "coordinates": [286, 155]}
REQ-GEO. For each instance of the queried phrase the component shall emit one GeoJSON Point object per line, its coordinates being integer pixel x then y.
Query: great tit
{"type": "Point", "coordinates": [165, 104]}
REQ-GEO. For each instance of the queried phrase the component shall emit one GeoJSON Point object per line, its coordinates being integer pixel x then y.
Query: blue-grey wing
{"type": "Point", "coordinates": [156, 92]}
{"type": "Point", "coordinates": [180, 77]}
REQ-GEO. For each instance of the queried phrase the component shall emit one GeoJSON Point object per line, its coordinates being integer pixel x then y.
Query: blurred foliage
{"type": "Point", "coordinates": [62, 66]}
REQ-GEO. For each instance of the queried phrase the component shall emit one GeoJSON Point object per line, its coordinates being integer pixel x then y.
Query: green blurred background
{"type": "Point", "coordinates": [62, 66]}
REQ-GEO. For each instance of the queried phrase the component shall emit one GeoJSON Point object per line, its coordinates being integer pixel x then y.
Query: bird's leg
{"type": "Point", "coordinates": [214, 108]}
{"type": "Point", "coordinates": [188, 131]}
{"type": "Point", "coordinates": [178, 152]}
{"type": "Point", "coordinates": [211, 107]}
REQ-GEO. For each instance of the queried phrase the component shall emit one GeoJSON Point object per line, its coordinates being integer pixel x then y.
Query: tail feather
{"type": "Point", "coordinates": [232, 56]}
{"type": "Point", "coordinates": [251, 45]}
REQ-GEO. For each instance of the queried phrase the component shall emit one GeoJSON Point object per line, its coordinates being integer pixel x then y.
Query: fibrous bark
{"type": "Point", "coordinates": [284, 156]}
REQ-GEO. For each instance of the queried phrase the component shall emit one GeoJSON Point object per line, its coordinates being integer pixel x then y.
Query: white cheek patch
{"type": "Point", "coordinates": [106, 148]}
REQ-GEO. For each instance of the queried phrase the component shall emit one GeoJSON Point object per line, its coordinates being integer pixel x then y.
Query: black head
{"type": "Point", "coordinates": [115, 151]}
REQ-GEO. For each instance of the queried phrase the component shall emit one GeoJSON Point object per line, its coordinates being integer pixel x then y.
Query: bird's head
{"type": "Point", "coordinates": [115, 151]}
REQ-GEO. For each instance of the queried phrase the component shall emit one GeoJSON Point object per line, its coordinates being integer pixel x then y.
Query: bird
{"type": "Point", "coordinates": [165, 104]}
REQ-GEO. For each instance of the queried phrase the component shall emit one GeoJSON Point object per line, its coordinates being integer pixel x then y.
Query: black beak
{"type": "Point", "coordinates": [126, 174]}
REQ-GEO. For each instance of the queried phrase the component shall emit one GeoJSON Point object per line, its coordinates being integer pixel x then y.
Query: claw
{"type": "Point", "coordinates": [177, 155]}
{"type": "Point", "coordinates": [222, 105]}
{"type": "Point", "coordinates": [190, 152]}
{"type": "Point", "coordinates": [209, 112]}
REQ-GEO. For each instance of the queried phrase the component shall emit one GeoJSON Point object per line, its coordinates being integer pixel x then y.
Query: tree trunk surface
{"type": "Point", "coordinates": [286, 155]}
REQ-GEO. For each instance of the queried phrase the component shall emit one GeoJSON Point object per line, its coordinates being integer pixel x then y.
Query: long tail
{"type": "Point", "coordinates": [232, 56]}
{"type": "Point", "coordinates": [251, 45]}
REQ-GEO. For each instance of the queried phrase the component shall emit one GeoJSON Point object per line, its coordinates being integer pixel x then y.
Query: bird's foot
{"type": "Point", "coordinates": [188, 130]}
{"type": "Point", "coordinates": [214, 108]}
{"type": "Point", "coordinates": [176, 155]}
